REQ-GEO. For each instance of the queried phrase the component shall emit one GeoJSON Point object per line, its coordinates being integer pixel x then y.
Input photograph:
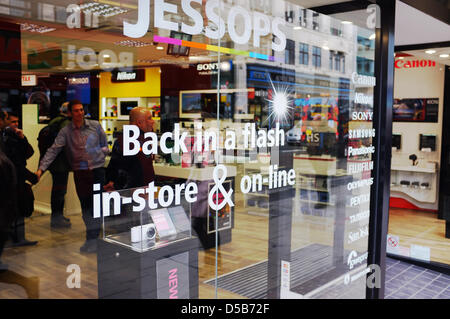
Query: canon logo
{"type": "Point", "coordinates": [410, 64]}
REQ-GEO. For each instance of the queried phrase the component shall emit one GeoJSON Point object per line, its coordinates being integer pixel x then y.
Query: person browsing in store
{"type": "Point", "coordinates": [125, 172]}
{"type": "Point", "coordinates": [59, 169]}
{"type": "Point", "coordinates": [19, 150]}
{"type": "Point", "coordinates": [86, 147]}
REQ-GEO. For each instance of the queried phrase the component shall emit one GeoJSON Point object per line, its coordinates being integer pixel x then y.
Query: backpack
{"type": "Point", "coordinates": [47, 136]}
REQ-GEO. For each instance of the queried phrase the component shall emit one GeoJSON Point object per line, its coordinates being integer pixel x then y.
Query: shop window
{"type": "Point", "coordinates": [315, 21]}
{"type": "Point", "coordinates": [365, 66]}
{"type": "Point", "coordinates": [343, 63]}
{"type": "Point", "coordinates": [304, 53]}
{"type": "Point", "coordinates": [302, 17]}
{"type": "Point", "coordinates": [317, 57]}
{"type": "Point", "coordinates": [289, 16]}
{"type": "Point", "coordinates": [336, 32]}
{"type": "Point", "coordinates": [331, 59]}
{"type": "Point", "coordinates": [365, 43]}
{"type": "Point", "coordinates": [290, 52]}
{"type": "Point", "coordinates": [337, 62]}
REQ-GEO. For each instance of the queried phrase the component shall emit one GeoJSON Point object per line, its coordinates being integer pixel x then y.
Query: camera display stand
{"type": "Point", "coordinates": [163, 272]}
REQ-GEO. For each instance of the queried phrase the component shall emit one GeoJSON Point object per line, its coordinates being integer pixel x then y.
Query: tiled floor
{"type": "Point", "coordinates": [406, 281]}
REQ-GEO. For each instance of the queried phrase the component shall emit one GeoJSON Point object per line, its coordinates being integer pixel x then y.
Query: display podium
{"type": "Point", "coordinates": [146, 254]}
{"type": "Point", "coordinates": [166, 272]}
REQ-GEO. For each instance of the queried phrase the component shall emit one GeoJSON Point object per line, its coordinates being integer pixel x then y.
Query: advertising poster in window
{"type": "Point", "coordinates": [416, 110]}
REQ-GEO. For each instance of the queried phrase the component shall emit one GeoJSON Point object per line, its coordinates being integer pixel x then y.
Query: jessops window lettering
{"type": "Point", "coordinates": [259, 23]}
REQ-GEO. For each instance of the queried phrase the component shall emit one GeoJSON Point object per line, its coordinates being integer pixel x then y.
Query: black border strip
{"type": "Point", "coordinates": [432, 8]}
{"type": "Point", "coordinates": [432, 265]}
{"type": "Point", "coordinates": [382, 122]}
{"type": "Point", "coordinates": [422, 46]}
{"type": "Point", "coordinates": [342, 7]}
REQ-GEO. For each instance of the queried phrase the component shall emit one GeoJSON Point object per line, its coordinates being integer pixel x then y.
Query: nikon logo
{"type": "Point", "coordinates": [125, 76]}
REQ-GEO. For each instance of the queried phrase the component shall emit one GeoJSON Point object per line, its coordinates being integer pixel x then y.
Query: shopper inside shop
{"type": "Point", "coordinates": [86, 147]}
{"type": "Point", "coordinates": [8, 201]}
{"type": "Point", "coordinates": [132, 171]}
{"type": "Point", "coordinates": [18, 150]}
{"type": "Point", "coordinates": [59, 169]}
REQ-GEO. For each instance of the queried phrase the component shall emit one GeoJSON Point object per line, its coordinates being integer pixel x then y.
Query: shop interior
{"type": "Point", "coordinates": [418, 222]}
{"type": "Point", "coordinates": [418, 160]}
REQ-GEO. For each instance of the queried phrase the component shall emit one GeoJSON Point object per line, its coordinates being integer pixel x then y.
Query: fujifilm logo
{"type": "Point", "coordinates": [125, 76]}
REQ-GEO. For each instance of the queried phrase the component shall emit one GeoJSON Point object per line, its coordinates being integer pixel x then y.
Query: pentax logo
{"type": "Point", "coordinates": [414, 64]}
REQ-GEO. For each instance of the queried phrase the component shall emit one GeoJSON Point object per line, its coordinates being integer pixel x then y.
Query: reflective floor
{"type": "Point", "coordinates": [41, 271]}
{"type": "Point", "coordinates": [406, 281]}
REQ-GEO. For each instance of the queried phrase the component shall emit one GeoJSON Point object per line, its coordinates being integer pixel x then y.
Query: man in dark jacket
{"type": "Point", "coordinates": [18, 150]}
{"type": "Point", "coordinates": [8, 200]}
{"type": "Point", "coordinates": [59, 170]}
{"type": "Point", "coordinates": [126, 172]}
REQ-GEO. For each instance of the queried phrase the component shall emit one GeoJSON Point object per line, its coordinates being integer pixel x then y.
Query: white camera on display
{"type": "Point", "coordinates": [144, 232]}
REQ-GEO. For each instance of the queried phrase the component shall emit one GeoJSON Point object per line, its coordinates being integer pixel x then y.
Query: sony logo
{"type": "Point", "coordinates": [258, 23]}
{"type": "Point", "coordinates": [408, 64]}
{"type": "Point", "coordinates": [207, 66]}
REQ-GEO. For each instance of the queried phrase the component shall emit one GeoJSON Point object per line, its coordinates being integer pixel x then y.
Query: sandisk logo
{"type": "Point", "coordinates": [411, 64]}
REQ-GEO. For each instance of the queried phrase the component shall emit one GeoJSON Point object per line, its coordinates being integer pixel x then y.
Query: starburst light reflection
{"type": "Point", "coordinates": [280, 104]}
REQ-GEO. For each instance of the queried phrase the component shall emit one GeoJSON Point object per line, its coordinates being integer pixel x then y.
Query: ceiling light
{"type": "Point", "coordinates": [443, 55]}
{"type": "Point", "coordinates": [132, 43]}
{"type": "Point", "coordinates": [104, 10]}
{"type": "Point", "coordinates": [30, 27]}
{"type": "Point", "coordinates": [430, 51]}
{"type": "Point", "coordinates": [297, 28]}
{"type": "Point", "coordinates": [159, 48]}
{"type": "Point", "coordinates": [346, 22]}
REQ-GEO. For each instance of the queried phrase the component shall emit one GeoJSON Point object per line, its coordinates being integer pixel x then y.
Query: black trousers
{"type": "Point", "coordinates": [84, 181]}
{"type": "Point", "coordinates": [59, 190]}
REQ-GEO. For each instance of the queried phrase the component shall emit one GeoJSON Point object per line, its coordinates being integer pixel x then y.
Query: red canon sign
{"type": "Point", "coordinates": [409, 64]}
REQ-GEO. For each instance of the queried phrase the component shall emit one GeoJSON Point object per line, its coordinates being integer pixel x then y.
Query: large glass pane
{"type": "Point", "coordinates": [303, 154]}
{"type": "Point", "coordinates": [210, 149]}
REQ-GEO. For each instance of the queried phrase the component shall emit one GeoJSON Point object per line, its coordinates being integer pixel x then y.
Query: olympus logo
{"type": "Point", "coordinates": [125, 76]}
